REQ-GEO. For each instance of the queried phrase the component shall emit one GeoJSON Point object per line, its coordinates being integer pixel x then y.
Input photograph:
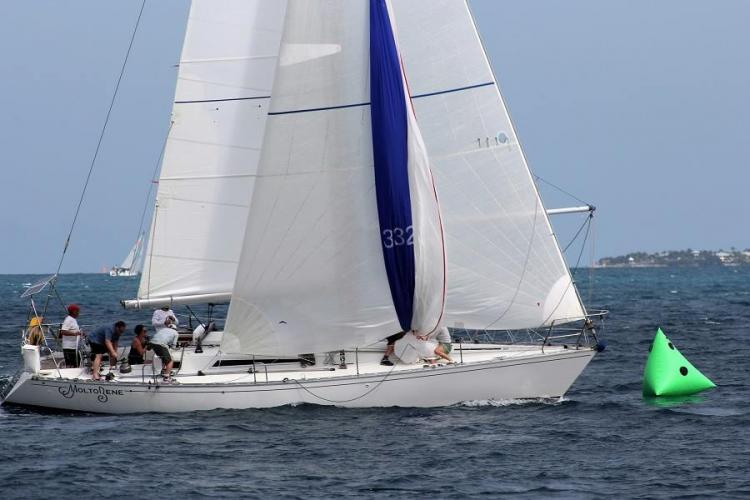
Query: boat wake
{"type": "Point", "coordinates": [477, 403]}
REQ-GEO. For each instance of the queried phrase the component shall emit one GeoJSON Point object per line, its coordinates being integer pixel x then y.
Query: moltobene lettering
{"type": "Point", "coordinates": [102, 393]}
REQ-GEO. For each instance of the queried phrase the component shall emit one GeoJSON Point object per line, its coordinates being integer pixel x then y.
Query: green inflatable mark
{"type": "Point", "coordinates": [669, 373]}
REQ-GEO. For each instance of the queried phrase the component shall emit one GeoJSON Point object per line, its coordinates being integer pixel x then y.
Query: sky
{"type": "Point", "coordinates": [638, 107]}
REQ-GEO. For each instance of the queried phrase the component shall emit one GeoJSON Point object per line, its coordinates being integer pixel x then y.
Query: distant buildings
{"type": "Point", "coordinates": [683, 258]}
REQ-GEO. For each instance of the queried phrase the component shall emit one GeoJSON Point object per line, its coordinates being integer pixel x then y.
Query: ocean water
{"type": "Point", "coordinates": [602, 440]}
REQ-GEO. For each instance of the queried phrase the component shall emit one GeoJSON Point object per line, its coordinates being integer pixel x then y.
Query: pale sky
{"type": "Point", "coordinates": [636, 106]}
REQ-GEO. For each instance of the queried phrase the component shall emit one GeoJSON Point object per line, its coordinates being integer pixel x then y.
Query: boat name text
{"type": "Point", "coordinates": [102, 393]}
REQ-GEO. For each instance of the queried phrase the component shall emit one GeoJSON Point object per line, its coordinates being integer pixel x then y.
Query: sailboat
{"type": "Point", "coordinates": [340, 171]}
{"type": "Point", "coordinates": [133, 262]}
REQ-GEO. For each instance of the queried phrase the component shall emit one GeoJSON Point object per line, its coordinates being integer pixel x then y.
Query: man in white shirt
{"type": "Point", "coordinates": [71, 335]}
{"type": "Point", "coordinates": [164, 317]}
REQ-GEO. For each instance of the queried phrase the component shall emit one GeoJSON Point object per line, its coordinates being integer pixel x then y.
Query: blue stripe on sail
{"type": "Point", "coordinates": [225, 99]}
{"type": "Point", "coordinates": [362, 104]}
{"type": "Point", "coordinates": [390, 153]}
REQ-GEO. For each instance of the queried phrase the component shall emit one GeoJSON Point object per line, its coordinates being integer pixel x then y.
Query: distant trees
{"type": "Point", "coordinates": [688, 257]}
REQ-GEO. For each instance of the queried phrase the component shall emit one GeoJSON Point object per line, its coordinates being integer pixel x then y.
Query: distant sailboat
{"type": "Point", "coordinates": [368, 207]}
{"type": "Point", "coordinates": [133, 263]}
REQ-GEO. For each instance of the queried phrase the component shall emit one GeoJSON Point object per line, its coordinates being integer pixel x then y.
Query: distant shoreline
{"type": "Point", "coordinates": [679, 258]}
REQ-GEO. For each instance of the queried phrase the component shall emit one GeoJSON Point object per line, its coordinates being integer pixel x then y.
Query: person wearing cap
{"type": "Point", "coordinates": [71, 334]}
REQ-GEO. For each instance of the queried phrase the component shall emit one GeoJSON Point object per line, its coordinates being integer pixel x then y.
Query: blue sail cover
{"type": "Point", "coordinates": [390, 152]}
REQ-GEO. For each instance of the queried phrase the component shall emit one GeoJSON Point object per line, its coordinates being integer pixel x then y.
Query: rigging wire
{"type": "Point", "coordinates": [370, 390]}
{"type": "Point", "coordinates": [591, 266]}
{"type": "Point", "coordinates": [101, 137]}
{"type": "Point", "coordinates": [154, 180]}
{"type": "Point", "coordinates": [525, 266]}
{"type": "Point", "coordinates": [587, 225]}
{"type": "Point", "coordinates": [561, 190]}
{"type": "Point", "coordinates": [575, 236]}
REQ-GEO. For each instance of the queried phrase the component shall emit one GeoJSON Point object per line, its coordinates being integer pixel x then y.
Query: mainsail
{"type": "Point", "coordinates": [311, 275]}
{"type": "Point", "coordinates": [226, 71]}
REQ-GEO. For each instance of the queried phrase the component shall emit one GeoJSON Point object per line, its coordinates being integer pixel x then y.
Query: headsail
{"type": "Point", "coordinates": [226, 71]}
{"type": "Point", "coordinates": [505, 268]}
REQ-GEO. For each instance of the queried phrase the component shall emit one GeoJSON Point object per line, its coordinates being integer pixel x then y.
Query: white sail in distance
{"type": "Point", "coordinates": [225, 76]}
{"type": "Point", "coordinates": [310, 276]}
{"type": "Point", "coordinates": [132, 260]}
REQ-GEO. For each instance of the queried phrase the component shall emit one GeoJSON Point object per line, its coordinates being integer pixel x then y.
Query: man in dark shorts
{"type": "Point", "coordinates": [104, 340]}
{"type": "Point", "coordinates": [391, 347]}
{"type": "Point", "coordinates": [164, 339]}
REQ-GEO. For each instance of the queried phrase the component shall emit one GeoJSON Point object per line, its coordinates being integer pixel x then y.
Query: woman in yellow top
{"type": "Point", "coordinates": [35, 332]}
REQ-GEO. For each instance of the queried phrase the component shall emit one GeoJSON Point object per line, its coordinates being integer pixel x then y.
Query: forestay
{"type": "Point", "coordinates": [224, 83]}
{"type": "Point", "coordinates": [311, 276]}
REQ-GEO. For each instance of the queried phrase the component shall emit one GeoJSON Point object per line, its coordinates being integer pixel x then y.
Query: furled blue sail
{"type": "Point", "coordinates": [392, 131]}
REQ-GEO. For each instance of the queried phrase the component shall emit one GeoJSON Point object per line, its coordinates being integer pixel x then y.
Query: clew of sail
{"type": "Point", "coordinates": [225, 76]}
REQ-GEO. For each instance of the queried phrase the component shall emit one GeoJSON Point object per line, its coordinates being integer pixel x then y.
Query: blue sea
{"type": "Point", "coordinates": [602, 441]}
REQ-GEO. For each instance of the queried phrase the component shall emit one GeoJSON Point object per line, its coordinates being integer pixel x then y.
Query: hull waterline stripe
{"type": "Point", "coordinates": [362, 104]}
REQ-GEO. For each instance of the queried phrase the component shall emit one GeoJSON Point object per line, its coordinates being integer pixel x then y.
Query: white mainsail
{"type": "Point", "coordinates": [311, 276]}
{"type": "Point", "coordinates": [226, 71]}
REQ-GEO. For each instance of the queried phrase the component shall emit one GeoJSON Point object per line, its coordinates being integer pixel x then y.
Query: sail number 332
{"type": "Point", "coordinates": [398, 236]}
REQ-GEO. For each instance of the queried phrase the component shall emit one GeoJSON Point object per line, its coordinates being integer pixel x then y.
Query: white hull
{"type": "Point", "coordinates": [513, 375]}
{"type": "Point", "coordinates": [117, 271]}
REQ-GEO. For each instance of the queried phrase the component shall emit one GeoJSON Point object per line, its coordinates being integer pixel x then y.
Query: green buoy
{"type": "Point", "coordinates": [669, 373]}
